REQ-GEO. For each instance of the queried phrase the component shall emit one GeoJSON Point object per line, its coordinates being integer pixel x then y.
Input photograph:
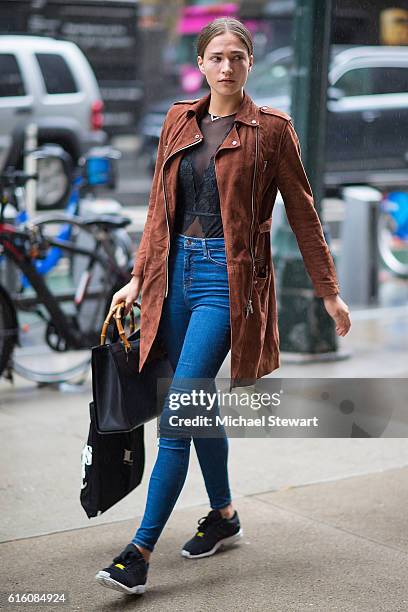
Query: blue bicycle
{"type": "Point", "coordinates": [65, 271]}
{"type": "Point", "coordinates": [96, 169]}
{"type": "Point", "coordinates": [393, 232]}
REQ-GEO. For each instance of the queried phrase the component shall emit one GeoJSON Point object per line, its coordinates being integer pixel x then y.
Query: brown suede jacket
{"type": "Point", "coordinates": [260, 155]}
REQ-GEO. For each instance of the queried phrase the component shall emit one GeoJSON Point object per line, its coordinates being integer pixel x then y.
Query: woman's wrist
{"type": "Point", "coordinates": [332, 296]}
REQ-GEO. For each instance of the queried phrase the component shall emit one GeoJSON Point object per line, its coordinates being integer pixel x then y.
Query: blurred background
{"type": "Point", "coordinates": [143, 56]}
{"type": "Point", "coordinates": [92, 81]}
{"type": "Point", "coordinates": [84, 89]}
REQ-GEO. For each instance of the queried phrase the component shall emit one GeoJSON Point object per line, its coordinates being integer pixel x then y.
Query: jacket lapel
{"type": "Point", "coordinates": [188, 132]}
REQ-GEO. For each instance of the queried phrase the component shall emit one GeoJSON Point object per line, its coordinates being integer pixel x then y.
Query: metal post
{"type": "Point", "coordinates": [30, 167]}
{"type": "Point", "coordinates": [310, 81]}
{"type": "Point", "coordinates": [305, 328]}
{"type": "Point", "coordinates": [359, 244]}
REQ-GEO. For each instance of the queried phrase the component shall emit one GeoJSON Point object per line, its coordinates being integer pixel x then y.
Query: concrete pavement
{"type": "Point", "coordinates": [339, 545]}
{"type": "Point", "coordinates": [44, 431]}
{"type": "Point", "coordinates": [324, 520]}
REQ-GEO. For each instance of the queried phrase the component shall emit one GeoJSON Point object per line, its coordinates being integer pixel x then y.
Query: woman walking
{"type": "Point", "coordinates": [205, 270]}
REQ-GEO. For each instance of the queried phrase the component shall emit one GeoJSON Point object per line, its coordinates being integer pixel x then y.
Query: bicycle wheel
{"type": "Point", "coordinates": [393, 233]}
{"type": "Point", "coordinates": [123, 251]}
{"type": "Point", "coordinates": [8, 330]}
{"type": "Point", "coordinates": [83, 292]}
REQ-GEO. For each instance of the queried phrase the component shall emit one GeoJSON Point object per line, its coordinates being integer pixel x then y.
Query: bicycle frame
{"type": "Point", "coordinates": [45, 265]}
{"type": "Point", "coordinates": [23, 259]}
{"type": "Point", "coordinates": [48, 263]}
{"type": "Point", "coordinates": [51, 260]}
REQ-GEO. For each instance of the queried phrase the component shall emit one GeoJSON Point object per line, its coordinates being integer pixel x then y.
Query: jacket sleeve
{"type": "Point", "coordinates": [297, 195]}
{"type": "Point", "coordinates": [140, 255]}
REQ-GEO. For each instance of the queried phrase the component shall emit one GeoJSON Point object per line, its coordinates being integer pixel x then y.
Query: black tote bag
{"type": "Point", "coordinates": [124, 398]}
{"type": "Point", "coordinates": [112, 466]}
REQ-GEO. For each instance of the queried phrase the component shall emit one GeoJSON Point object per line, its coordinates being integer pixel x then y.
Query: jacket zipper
{"type": "Point", "coordinates": [249, 308]}
{"type": "Point", "coordinates": [165, 209]}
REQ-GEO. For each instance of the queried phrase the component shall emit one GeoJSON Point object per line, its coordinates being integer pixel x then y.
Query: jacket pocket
{"type": "Point", "coordinates": [261, 271]}
{"type": "Point", "coordinates": [262, 244]}
{"type": "Point", "coordinates": [262, 254]}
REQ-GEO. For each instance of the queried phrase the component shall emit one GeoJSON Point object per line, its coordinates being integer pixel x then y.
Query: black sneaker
{"type": "Point", "coordinates": [213, 531]}
{"type": "Point", "coordinates": [127, 573]}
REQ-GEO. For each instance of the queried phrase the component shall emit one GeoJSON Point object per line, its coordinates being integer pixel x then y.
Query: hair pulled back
{"type": "Point", "coordinates": [219, 26]}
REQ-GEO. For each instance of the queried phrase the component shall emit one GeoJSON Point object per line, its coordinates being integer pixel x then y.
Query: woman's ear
{"type": "Point", "coordinates": [200, 64]}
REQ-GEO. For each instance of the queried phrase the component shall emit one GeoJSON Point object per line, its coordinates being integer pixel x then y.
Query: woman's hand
{"type": "Point", "coordinates": [128, 294]}
{"type": "Point", "coordinates": [339, 312]}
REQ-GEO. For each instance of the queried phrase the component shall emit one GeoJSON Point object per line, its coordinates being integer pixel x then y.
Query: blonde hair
{"type": "Point", "coordinates": [221, 25]}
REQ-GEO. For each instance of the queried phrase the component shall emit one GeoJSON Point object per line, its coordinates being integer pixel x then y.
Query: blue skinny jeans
{"type": "Point", "coordinates": [195, 329]}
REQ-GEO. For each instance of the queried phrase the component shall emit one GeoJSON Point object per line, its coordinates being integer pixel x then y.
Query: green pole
{"type": "Point", "coordinates": [309, 86]}
{"type": "Point", "coordinates": [305, 328]}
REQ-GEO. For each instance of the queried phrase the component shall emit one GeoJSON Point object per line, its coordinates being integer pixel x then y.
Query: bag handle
{"type": "Point", "coordinates": [116, 313]}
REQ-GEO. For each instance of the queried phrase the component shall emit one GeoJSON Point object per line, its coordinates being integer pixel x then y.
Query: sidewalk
{"type": "Point", "coordinates": [324, 520]}
{"type": "Point", "coordinates": [339, 545]}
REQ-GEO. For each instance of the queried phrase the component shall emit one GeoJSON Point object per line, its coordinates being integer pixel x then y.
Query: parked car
{"type": "Point", "coordinates": [367, 111]}
{"type": "Point", "coordinates": [49, 83]}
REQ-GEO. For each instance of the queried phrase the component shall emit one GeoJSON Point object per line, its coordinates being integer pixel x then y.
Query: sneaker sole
{"type": "Point", "coordinates": [234, 539]}
{"type": "Point", "coordinates": [105, 580]}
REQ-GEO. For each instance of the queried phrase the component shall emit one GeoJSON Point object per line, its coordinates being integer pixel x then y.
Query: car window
{"type": "Point", "coordinates": [270, 79]}
{"type": "Point", "coordinates": [11, 82]}
{"type": "Point", "coordinates": [374, 80]}
{"type": "Point", "coordinates": [58, 78]}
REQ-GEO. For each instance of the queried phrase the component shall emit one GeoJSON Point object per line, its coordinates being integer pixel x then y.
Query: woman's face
{"type": "Point", "coordinates": [226, 64]}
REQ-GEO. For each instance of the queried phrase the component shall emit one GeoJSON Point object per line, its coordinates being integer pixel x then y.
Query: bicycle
{"type": "Point", "coordinates": [393, 232]}
{"type": "Point", "coordinates": [96, 169]}
{"type": "Point", "coordinates": [49, 328]}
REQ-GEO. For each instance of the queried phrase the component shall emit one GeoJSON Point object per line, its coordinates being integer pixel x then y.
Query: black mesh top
{"type": "Point", "coordinates": [198, 204]}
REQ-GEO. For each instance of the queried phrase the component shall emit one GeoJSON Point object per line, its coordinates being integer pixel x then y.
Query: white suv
{"type": "Point", "coordinates": [50, 83]}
